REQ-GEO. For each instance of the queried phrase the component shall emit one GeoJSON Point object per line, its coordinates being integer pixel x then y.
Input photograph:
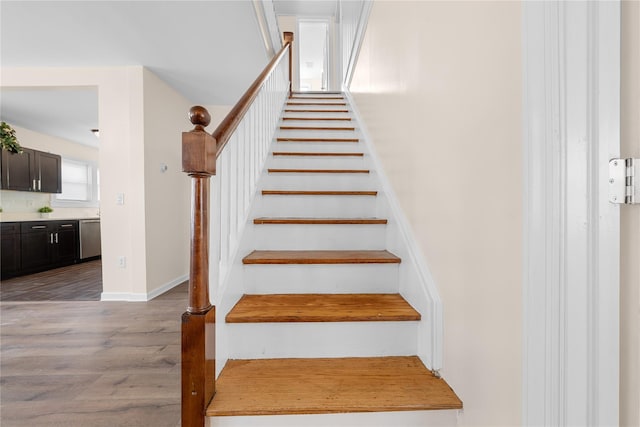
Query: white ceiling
{"type": "Point", "coordinates": [68, 113]}
{"type": "Point", "coordinates": [306, 8]}
{"type": "Point", "coordinates": [210, 51]}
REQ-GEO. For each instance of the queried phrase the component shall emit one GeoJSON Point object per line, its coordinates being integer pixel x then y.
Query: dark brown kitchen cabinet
{"type": "Point", "coordinates": [65, 242]}
{"type": "Point", "coordinates": [47, 244]}
{"type": "Point", "coordinates": [37, 245]}
{"type": "Point", "coordinates": [10, 260]}
{"type": "Point", "coordinates": [50, 167]}
{"type": "Point", "coordinates": [19, 170]}
{"type": "Point", "coordinates": [31, 170]}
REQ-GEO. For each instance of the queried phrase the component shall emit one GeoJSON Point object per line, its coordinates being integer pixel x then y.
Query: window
{"type": "Point", "coordinates": [79, 185]}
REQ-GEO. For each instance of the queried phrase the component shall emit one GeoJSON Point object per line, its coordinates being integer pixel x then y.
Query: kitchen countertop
{"type": "Point", "coordinates": [3, 220]}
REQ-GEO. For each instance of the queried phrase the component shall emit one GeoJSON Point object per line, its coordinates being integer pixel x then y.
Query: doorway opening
{"type": "Point", "coordinates": [314, 55]}
{"type": "Point", "coordinates": [57, 256]}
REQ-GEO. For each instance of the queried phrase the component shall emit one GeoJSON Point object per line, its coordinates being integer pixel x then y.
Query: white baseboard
{"type": "Point", "coordinates": [166, 287]}
{"type": "Point", "coordinates": [123, 296]}
{"type": "Point", "coordinates": [142, 297]}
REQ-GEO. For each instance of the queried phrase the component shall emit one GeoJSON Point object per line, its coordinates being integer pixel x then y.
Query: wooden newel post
{"type": "Point", "coordinates": [198, 322]}
{"type": "Point", "coordinates": [288, 38]}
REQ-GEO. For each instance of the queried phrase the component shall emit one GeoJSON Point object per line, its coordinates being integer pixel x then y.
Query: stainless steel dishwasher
{"type": "Point", "coordinates": [89, 238]}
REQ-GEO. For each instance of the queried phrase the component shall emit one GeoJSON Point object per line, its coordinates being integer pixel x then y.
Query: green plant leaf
{"type": "Point", "coordinates": [8, 139]}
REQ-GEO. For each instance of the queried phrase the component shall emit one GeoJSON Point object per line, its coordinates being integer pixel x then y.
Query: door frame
{"type": "Point", "coordinates": [329, 51]}
{"type": "Point", "coordinates": [571, 128]}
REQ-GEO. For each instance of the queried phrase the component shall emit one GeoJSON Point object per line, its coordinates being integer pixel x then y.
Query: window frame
{"type": "Point", "coordinates": [94, 191]}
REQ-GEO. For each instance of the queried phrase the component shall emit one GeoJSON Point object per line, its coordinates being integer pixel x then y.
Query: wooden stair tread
{"type": "Point", "coordinates": [271, 170]}
{"type": "Point", "coordinates": [329, 385]}
{"type": "Point", "coordinates": [315, 111]}
{"type": "Point", "coordinates": [290, 139]}
{"type": "Point", "coordinates": [316, 92]}
{"type": "Point", "coordinates": [321, 308]}
{"type": "Point", "coordinates": [345, 119]}
{"type": "Point", "coordinates": [316, 103]}
{"type": "Point", "coordinates": [297, 153]}
{"type": "Point", "coordinates": [317, 193]}
{"type": "Point", "coordinates": [282, 220]}
{"type": "Point", "coordinates": [321, 257]}
{"type": "Point", "coordinates": [317, 128]}
{"type": "Point", "coordinates": [317, 97]}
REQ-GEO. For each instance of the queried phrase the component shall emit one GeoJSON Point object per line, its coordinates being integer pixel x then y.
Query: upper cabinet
{"type": "Point", "coordinates": [18, 170]}
{"type": "Point", "coordinates": [32, 170]}
{"type": "Point", "coordinates": [50, 166]}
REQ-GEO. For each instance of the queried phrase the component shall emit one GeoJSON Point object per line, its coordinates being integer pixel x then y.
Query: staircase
{"type": "Point", "coordinates": [314, 321]}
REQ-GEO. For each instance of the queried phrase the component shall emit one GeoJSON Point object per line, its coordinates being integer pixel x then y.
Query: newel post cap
{"type": "Point", "coordinates": [199, 148]}
{"type": "Point", "coordinates": [200, 117]}
{"type": "Point", "coordinates": [288, 36]}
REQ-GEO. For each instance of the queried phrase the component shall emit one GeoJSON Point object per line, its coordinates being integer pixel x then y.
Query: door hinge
{"type": "Point", "coordinates": [623, 181]}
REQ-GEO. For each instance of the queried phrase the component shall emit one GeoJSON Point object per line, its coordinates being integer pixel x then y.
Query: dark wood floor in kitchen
{"type": "Point", "coordinates": [91, 363]}
{"type": "Point", "coordinates": [78, 282]}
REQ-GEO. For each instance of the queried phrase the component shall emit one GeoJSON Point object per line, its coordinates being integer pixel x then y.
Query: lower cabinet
{"type": "Point", "coordinates": [38, 246]}
{"type": "Point", "coordinates": [65, 243]}
{"type": "Point", "coordinates": [10, 253]}
{"type": "Point", "coordinates": [37, 242]}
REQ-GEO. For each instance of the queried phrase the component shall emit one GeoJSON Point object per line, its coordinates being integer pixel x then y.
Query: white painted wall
{"type": "Point", "coordinates": [23, 205]}
{"type": "Point", "coordinates": [166, 192]}
{"type": "Point", "coordinates": [141, 119]}
{"type": "Point", "coordinates": [439, 87]}
{"type": "Point", "coordinates": [121, 164]}
{"type": "Point", "coordinates": [630, 220]}
{"type": "Point", "coordinates": [217, 112]}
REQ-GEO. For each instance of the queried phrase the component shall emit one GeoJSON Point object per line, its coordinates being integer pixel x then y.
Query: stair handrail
{"type": "Point", "coordinates": [200, 151]}
{"type": "Point", "coordinates": [234, 117]}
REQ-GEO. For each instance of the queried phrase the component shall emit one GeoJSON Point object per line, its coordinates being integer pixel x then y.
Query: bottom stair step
{"type": "Point", "coordinates": [325, 386]}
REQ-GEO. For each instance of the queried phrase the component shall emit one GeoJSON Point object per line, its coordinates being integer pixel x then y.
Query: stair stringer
{"type": "Point", "coordinates": [417, 284]}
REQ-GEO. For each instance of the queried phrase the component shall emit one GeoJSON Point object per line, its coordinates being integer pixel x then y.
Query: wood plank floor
{"type": "Point", "coordinates": [78, 282]}
{"type": "Point", "coordinates": [91, 364]}
{"type": "Point", "coordinates": [311, 386]}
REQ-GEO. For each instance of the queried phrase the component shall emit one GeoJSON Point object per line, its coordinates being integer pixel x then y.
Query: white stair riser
{"type": "Point", "coordinates": [318, 181]}
{"type": "Point", "coordinates": [317, 101]}
{"type": "Point", "coordinates": [324, 105]}
{"type": "Point", "coordinates": [318, 134]}
{"type": "Point", "coordinates": [317, 206]}
{"type": "Point", "coordinates": [319, 236]}
{"type": "Point", "coordinates": [327, 147]}
{"type": "Point", "coordinates": [315, 112]}
{"type": "Point", "coordinates": [321, 278]}
{"type": "Point", "coordinates": [317, 162]}
{"type": "Point", "coordinates": [322, 339]}
{"type": "Point", "coordinates": [318, 123]}
{"type": "Point", "coordinates": [364, 419]}
{"type": "Point", "coordinates": [317, 94]}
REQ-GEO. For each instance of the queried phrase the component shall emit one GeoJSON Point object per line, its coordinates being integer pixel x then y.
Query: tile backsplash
{"type": "Point", "coordinates": [24, 205]}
